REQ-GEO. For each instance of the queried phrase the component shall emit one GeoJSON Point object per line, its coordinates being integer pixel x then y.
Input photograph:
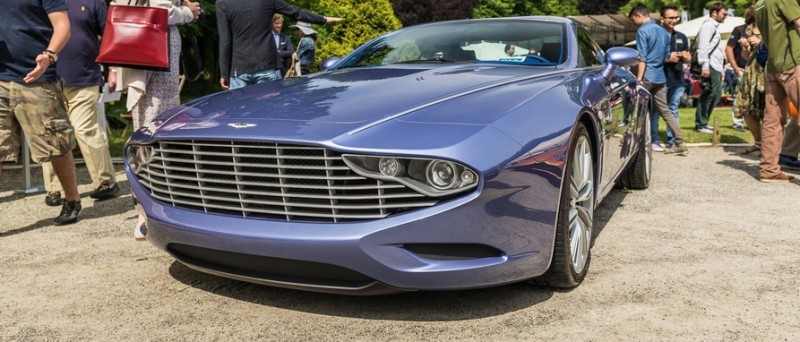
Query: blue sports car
{"type": "Point", "coordinates": [451, 155]}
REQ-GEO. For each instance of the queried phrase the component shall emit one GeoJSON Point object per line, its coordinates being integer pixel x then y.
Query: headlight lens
{"type": "Point", "coordinates": [432, 177]}
{"type": "Point", "coordinates": [442, 174]}
{"type": "Point", "coordinates": [138, 156]}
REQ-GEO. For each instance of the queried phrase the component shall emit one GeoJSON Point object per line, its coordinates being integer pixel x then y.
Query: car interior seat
{"type": "Point", "coordinates": [552, 52]}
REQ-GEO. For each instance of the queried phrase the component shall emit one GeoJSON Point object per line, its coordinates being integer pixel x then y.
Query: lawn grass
{"type": "Point", "coordinates": [728, 135]}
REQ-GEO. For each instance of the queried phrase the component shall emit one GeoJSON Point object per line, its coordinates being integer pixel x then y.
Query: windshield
{"type": "Point", "coordinates": [524, 42]}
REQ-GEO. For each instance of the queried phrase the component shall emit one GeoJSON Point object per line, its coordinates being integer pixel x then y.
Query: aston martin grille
{"type": "Point", "coordinates": [271, 181]}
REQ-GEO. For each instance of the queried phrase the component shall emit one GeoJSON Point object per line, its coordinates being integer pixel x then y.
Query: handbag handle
{"type": "Point", "coordinates": [146, 3]}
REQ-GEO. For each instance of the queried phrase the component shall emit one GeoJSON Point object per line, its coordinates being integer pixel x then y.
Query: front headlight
{"type": "Point", "coordinates": [138, 156]}
{"type": "Point", "coordinates": [431, 177]}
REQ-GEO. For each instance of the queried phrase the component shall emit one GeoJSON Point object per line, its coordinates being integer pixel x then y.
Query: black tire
{"type": "Point", "coordinates": [637, 175]}
{"type": "Point", "coordinates": [565, 270]}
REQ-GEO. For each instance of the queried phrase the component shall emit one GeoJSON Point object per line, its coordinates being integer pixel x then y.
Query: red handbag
{"type": "Point", "coordinates": [135, 37]}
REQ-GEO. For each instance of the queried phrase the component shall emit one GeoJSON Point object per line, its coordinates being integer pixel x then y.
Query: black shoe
{"type": "Point", "coordinates": [53, 199]}
{"type": "Point", "coordinates": [104, 192]}
{"type": "Point", "coordinates": [69, 213]}
{"type": "Point", "coordinates": [789, 162]}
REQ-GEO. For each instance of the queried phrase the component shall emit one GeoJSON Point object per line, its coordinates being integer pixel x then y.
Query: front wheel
{"type": "Point", "coordinates": [571, 253]}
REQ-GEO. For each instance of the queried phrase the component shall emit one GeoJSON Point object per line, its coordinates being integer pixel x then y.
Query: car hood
{"type": "Point", "coordinates": [326, 105]}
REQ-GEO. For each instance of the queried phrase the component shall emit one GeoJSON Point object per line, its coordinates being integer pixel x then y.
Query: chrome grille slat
{"type": "Point", "coordinates": [299, 167]}
{"type": "Point", "coordinates": [253, 174]}
{"type": "Point", "coordinates": [270, 181]}
{"type": "Point", "coordinates": [267, 184]}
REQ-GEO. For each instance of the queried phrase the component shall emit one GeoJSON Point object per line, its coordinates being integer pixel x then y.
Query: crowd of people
{"type": "Point", "coordinates": [760, 81]}
{"type": "Point", "coordinates": [50, 84]}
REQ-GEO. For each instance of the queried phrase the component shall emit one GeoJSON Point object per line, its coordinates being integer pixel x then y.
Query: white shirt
{"type": "Point", "coordinates": [707, 38]}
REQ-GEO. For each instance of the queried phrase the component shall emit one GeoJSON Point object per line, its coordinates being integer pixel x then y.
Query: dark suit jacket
{"type": "Point", "coordinates": [285, 50]}
{"type": "Point", "coordinates": [245, 34]}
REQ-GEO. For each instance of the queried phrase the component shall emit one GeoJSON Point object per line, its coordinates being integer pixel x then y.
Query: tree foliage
{"type": "Point", "coordinates": [411, 12]}
{"type": "Point", "coordinates": [587, 7]}
{"type": "Point", "coordinates": [510, 8]}
{"type": "Point", "coordinates": [362, 21]}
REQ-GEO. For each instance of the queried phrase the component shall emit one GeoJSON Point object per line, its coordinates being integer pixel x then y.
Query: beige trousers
{"type": "Point", "coordinates": [92, 139]}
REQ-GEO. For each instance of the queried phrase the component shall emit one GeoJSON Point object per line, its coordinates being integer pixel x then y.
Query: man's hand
{"type": "Point", "coordinates": [42, 62]}
{"type": "Point", "coordinates": [223, 83]}
{"type": "Point", "coordinates": [705, 73]}
{"type": "Point", "coordinates": [674, 57]}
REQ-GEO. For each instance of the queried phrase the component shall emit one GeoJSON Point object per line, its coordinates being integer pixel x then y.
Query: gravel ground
{"type": "Point", "coordinates": [707, 253]}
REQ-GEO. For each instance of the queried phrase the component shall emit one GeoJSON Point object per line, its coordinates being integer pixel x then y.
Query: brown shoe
{"type": "Point", "coordinates": [779, 178]}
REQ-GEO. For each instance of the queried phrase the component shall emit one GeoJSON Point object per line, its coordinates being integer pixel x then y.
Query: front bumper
{"type": "Point", "coordinates": [375, 257]}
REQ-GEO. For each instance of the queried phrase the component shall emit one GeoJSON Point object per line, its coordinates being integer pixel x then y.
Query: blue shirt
{"type": "Point", "coordinates": [306, 51]}
{"type": "Point", "coordinates": [76, 66]}
{"type": "Point", "coordinates": [652, 41]}
{"type": "Point", "coordinates": [25, 31]}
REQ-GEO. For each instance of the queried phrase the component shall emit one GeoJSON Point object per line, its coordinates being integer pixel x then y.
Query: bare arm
{"type": "Point", "coordinates": [60, 22]}
{"type": "Point", "coordinates": [731, 58]}
{"type": "Point", "coordinates": [640, 70]}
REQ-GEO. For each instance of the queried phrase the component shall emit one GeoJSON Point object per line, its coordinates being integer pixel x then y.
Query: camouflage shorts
{"type": "Point", "coordinates": [39, 110]}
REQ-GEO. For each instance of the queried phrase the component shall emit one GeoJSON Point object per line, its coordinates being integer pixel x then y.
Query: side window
{"type": "Point", "coordinates": [590, 53]}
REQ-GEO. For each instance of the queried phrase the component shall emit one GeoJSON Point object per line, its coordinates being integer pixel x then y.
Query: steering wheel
{"type": "Point", "coordinates": [537, 58]}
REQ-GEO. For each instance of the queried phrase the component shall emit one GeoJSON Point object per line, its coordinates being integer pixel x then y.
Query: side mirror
{"type": "Point", "coordinates": [619, 57]}
{"type": "Point", "coordinates": [328, 63]}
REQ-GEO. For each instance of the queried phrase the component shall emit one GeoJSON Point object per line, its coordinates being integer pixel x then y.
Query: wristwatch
{"type": "Point", "coordinates": [52, 55]}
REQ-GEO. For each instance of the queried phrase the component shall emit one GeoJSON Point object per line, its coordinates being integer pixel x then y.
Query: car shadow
{"type": "Point", "coordinates": [606, 210]}
{"type": "Point", "coordinates": [410, 306]}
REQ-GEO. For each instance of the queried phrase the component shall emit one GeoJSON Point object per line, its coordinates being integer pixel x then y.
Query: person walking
{"type": "Point", "coordinates": [151, 93]}
{"type": "Point", "coordinates": [710, 55]}
{"type": "Point", "coordinates": [750, 104]}
{"type": "Point", "coordinates": [307, 48]}
{"type": "Point", "coordinates": [32, 34]}
{"type": "Point", "coordinates": [247, 53]}
{"type": "Point", "coordinates": [673, 71]}
{"type": "Point", "coordinates": [283, 42]}
{"type": "Point", "coordinates": [82, 81]}
{"type": "Point", "coordinates": [778, 21]}
{"type": "Point", "coordinates": [652, 41]}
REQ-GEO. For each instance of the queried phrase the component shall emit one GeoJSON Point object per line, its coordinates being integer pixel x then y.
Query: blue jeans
{"type": "Point", "coordinates": [243, 80]}
{"type": "Point", "coordinates": [674, 95]}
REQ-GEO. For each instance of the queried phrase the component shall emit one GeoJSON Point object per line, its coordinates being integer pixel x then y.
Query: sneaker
{"type": "Point", "coordinates": [69, 213]}
{"type": "Point", "coordinates": [105, 191]}
{"type": "Point", "coordinates": [680, 150]}
{"type": "Point", "coordinates": [779, 178]}
{"type": "Point", "coordinates": [53, 199]}
{"type": "Point", "coordinates": [704, 130]}
{"type": "Point", "coordinates": [709, 127]}
{"type": "Point", "coordinates": [739, 128]}
{"type": "Point", "coordinates": [656, 147]}
{"type": "Point", "coordinates": [623, 123]}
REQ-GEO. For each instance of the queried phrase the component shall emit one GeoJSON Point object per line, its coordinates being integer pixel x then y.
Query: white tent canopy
{"type": "Point", "coordinates": [691, 27]}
